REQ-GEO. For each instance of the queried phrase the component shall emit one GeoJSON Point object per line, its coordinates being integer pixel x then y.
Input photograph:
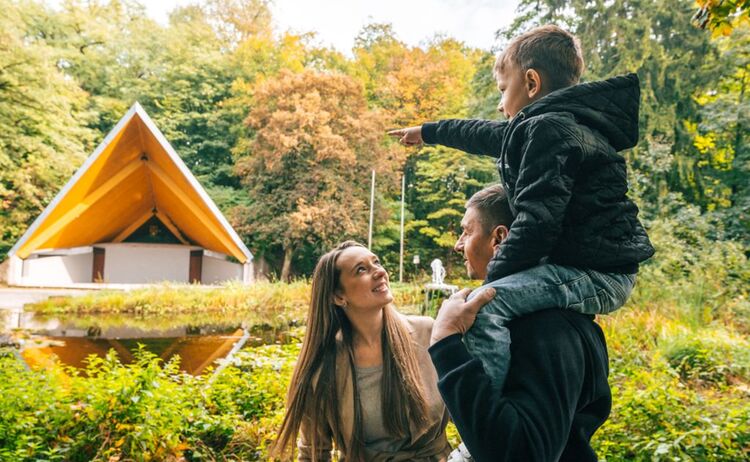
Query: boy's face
{"type": "Point", "coordinates": [517, 88]}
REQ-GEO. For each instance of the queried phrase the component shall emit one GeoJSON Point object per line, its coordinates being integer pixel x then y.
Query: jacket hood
{"type": "Point", "coordinates": [608, 106]}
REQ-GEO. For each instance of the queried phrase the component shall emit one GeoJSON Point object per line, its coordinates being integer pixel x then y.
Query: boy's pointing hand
{"type": "Point", "coordinates": [411, 136]}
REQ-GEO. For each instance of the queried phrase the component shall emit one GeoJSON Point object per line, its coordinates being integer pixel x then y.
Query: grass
{"type": "Point", "coordinates": [679, 370]}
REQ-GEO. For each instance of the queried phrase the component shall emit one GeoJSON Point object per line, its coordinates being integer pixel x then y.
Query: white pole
{"type": "Point", "coordinates": [372, 208]}
{"type": "Point", "coordinates": [401, 253]}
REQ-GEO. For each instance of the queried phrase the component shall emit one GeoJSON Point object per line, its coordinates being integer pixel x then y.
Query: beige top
{"type": "Point", "coordinates": [428, 445]}
{"type": "Point", "coordinates": [377, 439]}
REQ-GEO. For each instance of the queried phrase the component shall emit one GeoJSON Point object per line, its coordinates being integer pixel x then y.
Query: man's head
{"type": "Point", "coordinates": [484, 226]}
{"type": "Point", "coordinates": [534, 64]}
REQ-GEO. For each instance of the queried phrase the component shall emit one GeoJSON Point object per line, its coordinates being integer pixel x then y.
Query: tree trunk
{"type": "Point", "coordinates": [261, 268]}
{"type": "Point", "coordinates": [286, 268]}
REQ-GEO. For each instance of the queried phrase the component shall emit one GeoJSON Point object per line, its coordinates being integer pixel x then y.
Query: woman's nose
{"type": "Point", "coordinates": [379, 272]}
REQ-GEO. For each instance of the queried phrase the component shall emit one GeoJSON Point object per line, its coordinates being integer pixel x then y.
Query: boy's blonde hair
{"type": "Point", "coordinates": [550, 50]}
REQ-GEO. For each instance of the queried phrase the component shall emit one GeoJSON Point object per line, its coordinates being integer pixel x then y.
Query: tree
{"type": "Point", "coordinates": [114, 52]}
{"type": "Point", "coordinates": [306, 165]}
{"type": "Point", "coordinates": [721, 167]}
{"type": "Point", "coordinates": [42, 115]}
{"type": "Point", "coordinates": [721, 16]}
{"type": "Point", "coordinates": [414, 84]}
{"type": "Point", "coordinates": [443, 180]}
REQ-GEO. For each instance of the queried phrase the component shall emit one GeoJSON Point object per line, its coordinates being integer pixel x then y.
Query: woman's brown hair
{"type": "Point", "coordinates": [312, 392]}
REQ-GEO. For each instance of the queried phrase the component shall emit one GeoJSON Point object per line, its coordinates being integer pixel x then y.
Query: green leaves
{"type": "Point", "coordinates": [146, 410]}
{"type": "Point", "coordinates": [43, 116]}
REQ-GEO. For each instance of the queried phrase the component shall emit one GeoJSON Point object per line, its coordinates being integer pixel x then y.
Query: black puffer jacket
{"type": "Point", "coordinates": [566, 183]}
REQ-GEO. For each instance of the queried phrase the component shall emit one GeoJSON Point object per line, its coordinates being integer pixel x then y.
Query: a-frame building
{"type": "Point", "coordinates": [132, 214]}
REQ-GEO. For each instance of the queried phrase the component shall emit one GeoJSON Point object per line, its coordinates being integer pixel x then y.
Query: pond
{"type": "Point", "coordinates": [199, 339]}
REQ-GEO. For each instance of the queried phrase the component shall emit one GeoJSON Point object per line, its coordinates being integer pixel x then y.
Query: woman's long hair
{"type": "Point", "coordinates": [312, 392]}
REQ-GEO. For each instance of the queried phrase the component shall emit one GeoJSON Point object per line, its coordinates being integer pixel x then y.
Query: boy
{"type": "Point", "coordinates": [575, 240]}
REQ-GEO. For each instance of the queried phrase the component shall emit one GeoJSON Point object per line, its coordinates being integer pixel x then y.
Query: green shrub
{"type": "Point", "coordinates": [146, 410]}
{"type": "Point", "coordinates": [703, 278]}
{"type": "Point", "coordinates": [708, 355]}
{"type": "Point", "coordinates": [655, 417]}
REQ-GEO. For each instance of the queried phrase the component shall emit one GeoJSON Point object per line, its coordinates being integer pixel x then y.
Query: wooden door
{"type": "Point", "coordinates": [196, 266]}
{"type": "Point", "coordinates": [97, 272]}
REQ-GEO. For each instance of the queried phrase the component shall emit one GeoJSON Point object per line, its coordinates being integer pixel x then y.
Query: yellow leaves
{"type": "Point", "coordinates": [416, 84]}
{"type": "Point", "coordinates": [721, 16]}
{"type": "Point", "coordinates": [723, 157]}
{"type": "Point", "coordinates": [704, 143]}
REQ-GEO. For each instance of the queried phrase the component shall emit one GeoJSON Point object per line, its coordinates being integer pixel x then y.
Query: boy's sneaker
{"type": "Point", "coordinates": [460, 454]}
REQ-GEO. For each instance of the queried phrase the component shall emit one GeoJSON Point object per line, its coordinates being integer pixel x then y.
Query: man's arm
{"type": "Point", "coordinates": [531, 418]}
{"type": "Point", "coordinates": [473, 136]}
{"type": "Point", "coordinates": [549, 163]}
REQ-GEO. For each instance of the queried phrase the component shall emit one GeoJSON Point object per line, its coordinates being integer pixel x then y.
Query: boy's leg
{"type": "Point", "coordinates": [541, 287]}
{"type": "Point", "coordinates": [612, 291]}
{"type": "Point", "coordinates": [548, 286]}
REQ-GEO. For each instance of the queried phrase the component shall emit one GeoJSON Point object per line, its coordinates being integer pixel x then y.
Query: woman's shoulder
{"type": "Point", "coordinates": [418, 322]}
{"type": "Point", "coordinates": [419, 327]}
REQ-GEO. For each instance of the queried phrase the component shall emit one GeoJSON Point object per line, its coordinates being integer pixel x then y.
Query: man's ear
{"type": "Point", "coordinates": [499, 234]}
{"type": "Point", "coordinates": [533, 83]}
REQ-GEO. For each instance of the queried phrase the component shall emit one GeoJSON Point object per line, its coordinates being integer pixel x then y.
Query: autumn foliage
{"type": "Point", "coordinates": [308, 164]}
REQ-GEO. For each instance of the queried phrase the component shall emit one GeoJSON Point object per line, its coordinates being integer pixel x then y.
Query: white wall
{"type": "Point", "coordinates": [145, 263]}
{"type": "Point", "coordinates": [217, 268]}
{"type": "Point", "coordinates": [126, 263]}
{"type": "Point", "coordinates": [58, 269]}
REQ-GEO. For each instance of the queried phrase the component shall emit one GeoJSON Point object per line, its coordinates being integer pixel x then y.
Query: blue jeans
{"type": "Point", "coordinates": [539, 288]}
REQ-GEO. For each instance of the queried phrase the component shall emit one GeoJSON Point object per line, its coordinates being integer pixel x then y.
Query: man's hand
{"type": "Point", "coordinates": [456, 315]}
{"type": "Point", "coordinates": [411, 136]}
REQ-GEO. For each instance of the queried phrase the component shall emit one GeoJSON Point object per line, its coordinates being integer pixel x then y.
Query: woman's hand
{"type": "Point", "coordinates": [411, 136]}
{"type": "Point", "coordinates": [456, 315]}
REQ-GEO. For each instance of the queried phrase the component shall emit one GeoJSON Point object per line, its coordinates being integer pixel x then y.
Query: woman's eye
{"type": "Point", "coordinates": [360, 269]}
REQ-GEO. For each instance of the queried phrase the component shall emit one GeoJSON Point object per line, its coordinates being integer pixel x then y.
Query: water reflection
{"type": "Point", "coordinates": [73, 339]}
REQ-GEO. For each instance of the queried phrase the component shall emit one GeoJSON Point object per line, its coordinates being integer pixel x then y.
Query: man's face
{"type": "Point", "coordinates": [511, 82]}
{"type": "Point", "coordinates": [475, 244]}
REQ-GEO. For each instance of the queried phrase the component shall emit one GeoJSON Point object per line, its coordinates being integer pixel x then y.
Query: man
{"type": "Point", "coordinates": [556, 393]}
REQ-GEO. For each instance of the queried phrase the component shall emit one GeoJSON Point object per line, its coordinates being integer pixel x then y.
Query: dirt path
{"type": "Point", "coordinates": [14, 298]}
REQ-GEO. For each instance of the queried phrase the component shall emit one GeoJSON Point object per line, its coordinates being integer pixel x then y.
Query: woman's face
{"type": "Point", "coordinates": [363, 283]}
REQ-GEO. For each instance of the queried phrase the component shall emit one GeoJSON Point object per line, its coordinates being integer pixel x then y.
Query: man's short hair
{"type": "Point", "coordinates": [492, 205]}
{"type": "Point", "coordinates": [550, 50]}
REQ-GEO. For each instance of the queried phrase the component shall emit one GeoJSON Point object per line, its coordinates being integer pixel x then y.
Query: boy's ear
{"type": "Point", "coordinates": [533, 84]}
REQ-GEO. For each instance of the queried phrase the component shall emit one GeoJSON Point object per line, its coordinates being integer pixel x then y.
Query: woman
{"type": "Point", "coordinates": [363, 382]}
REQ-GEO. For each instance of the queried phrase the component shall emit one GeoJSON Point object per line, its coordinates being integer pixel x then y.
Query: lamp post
{"type": "Point", "coordinates": [401, 251]}
{"type": "Point", "coordinates": [372, 208]}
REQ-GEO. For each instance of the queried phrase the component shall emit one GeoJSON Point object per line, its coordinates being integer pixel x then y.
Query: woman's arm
{"type": "Point", "coordinates": [305, 442]}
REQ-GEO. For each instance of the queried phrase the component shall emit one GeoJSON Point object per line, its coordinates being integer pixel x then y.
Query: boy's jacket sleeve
{"type": "Point", "coordinates": [474, 136]}
{"type": "Point", "coordinates": [549, 162]}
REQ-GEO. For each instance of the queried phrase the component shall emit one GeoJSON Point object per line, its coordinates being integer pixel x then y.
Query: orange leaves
{"type": "Point", "coordinates": [308, 163]}
{"type": "Point", "coordinates": [322, 114]}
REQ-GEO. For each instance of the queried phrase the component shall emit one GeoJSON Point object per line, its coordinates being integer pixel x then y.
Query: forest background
{"type": "Point", "coordinates": [283, 134]}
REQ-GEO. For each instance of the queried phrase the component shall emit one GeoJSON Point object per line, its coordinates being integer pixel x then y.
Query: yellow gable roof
{"type": "Point", "coordinates": [133, 175]}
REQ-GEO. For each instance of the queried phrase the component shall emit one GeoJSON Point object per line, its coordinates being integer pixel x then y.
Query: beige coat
{"type": "Point", "coordinates": [429, 445]}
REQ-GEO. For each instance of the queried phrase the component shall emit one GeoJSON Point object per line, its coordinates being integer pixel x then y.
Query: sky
{"type": "Point", "coordinates": [337, 22]}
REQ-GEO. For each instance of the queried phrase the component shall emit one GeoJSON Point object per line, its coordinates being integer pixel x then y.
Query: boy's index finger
{"type": "Point", "coordinates": [396, 132]}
